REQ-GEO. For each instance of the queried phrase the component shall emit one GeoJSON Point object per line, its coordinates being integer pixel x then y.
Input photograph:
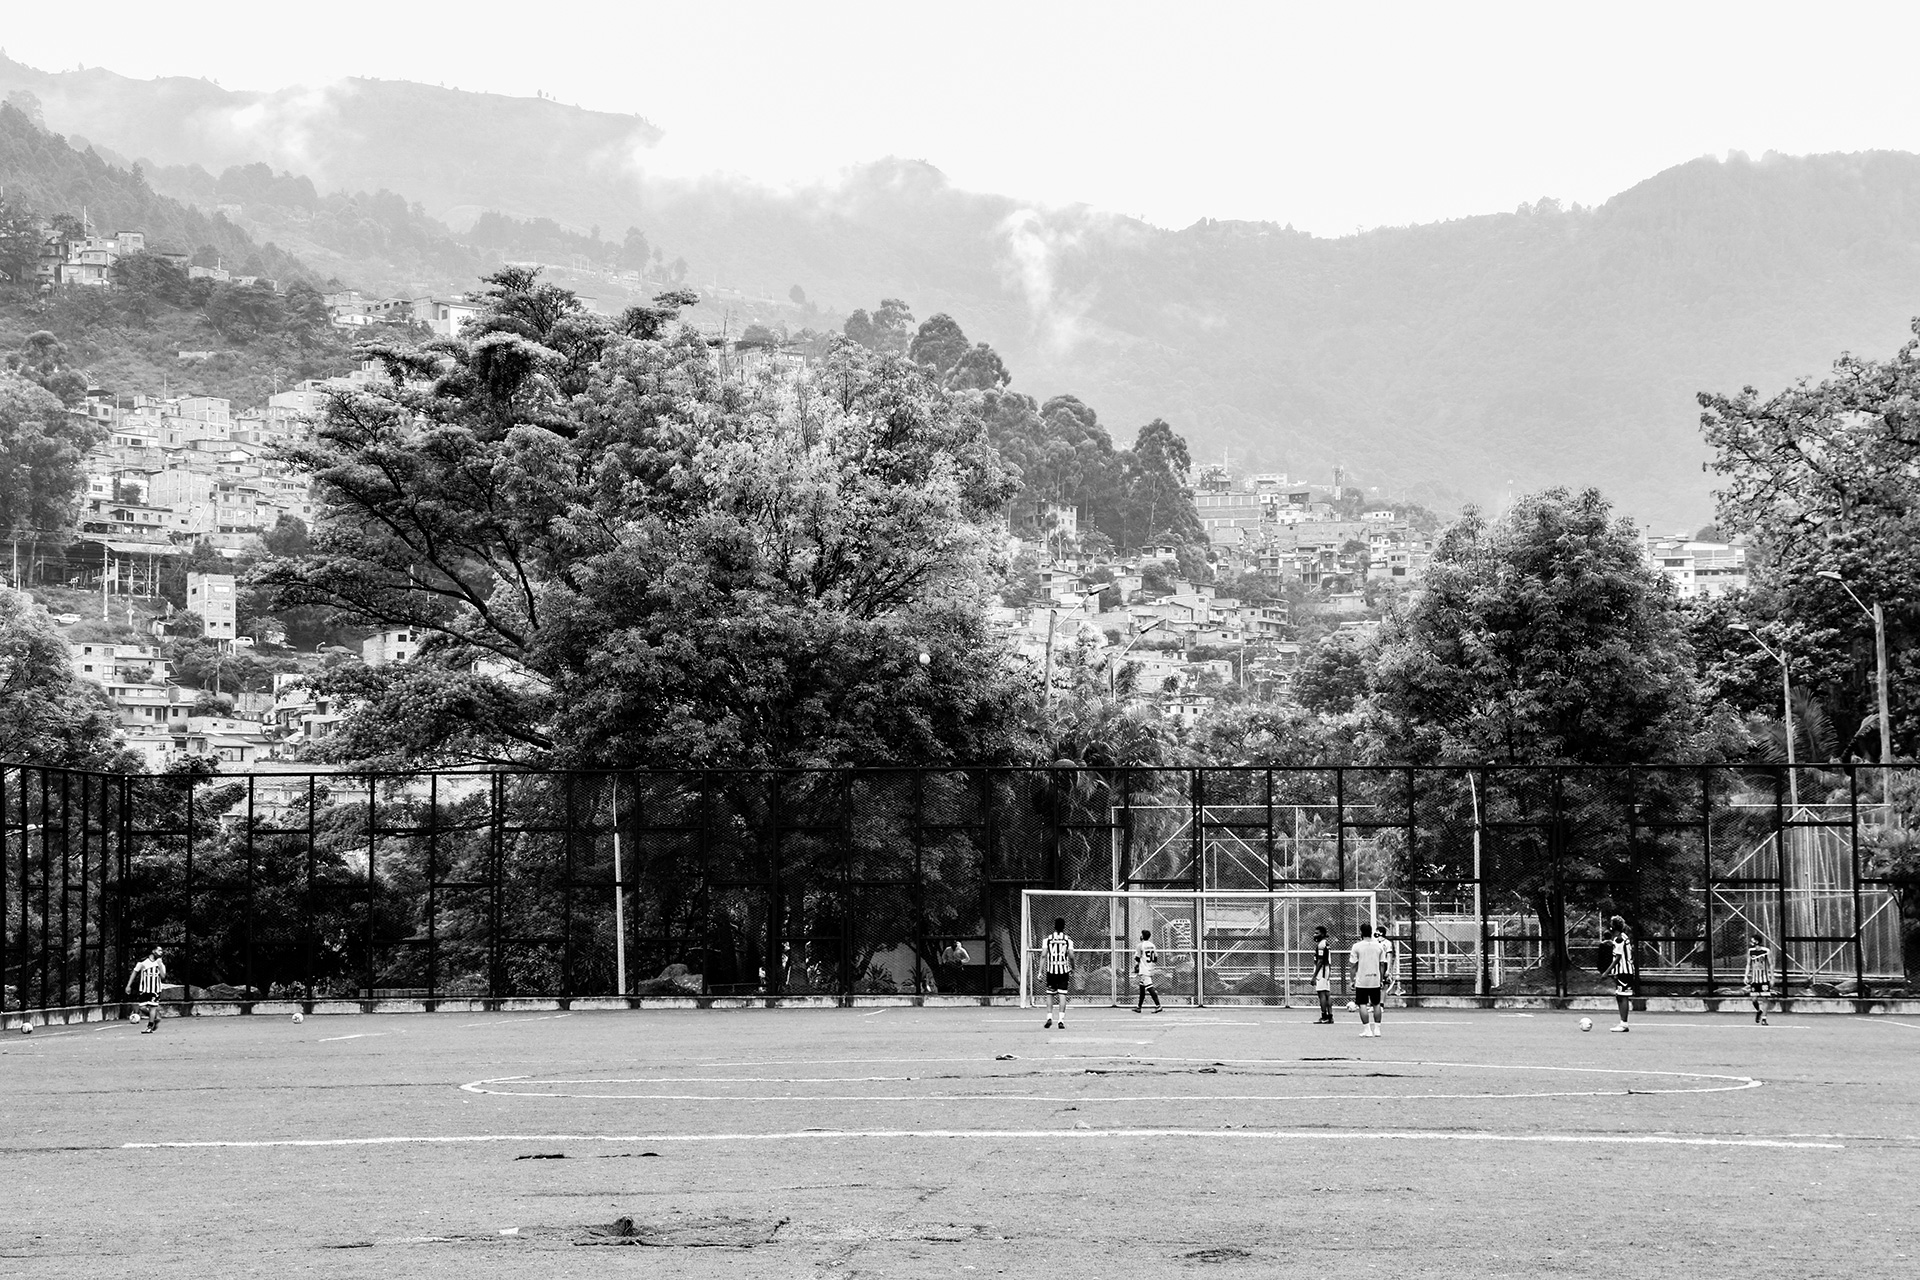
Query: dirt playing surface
{"type": "Point", "coordinates": [906, 1142]}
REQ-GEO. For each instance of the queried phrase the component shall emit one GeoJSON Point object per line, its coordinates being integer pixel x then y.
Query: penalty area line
{"type": "Point", "coordinates": [895, 1135]}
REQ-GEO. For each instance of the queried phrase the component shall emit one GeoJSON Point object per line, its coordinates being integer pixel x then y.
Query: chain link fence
{"type": "Point", "coordinates": [833, 883]}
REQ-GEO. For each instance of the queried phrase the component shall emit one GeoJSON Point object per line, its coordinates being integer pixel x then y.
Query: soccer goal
{"type": "Point", "coordinates": [1215, 948]}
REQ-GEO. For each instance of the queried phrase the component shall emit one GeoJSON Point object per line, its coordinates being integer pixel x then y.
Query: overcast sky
{"type": "Point", "coordinates": [1330, 117]}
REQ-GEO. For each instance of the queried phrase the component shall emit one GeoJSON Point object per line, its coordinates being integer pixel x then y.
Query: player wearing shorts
{"type": "Point", "coordinates": [1146, 959]}
{"type": "Point", "coordinates": [1759, 976]}
{"type": "Point", "coordinates": [1323, 974]}
{"type": "Point", "coordinates": [1056, 962]}
{"type": "Point", "coordinates": [1621, 970]}
{"type": "Point", "coordinates": [149, 975]}
{"type": "Point", "coordinates": [1369, 959]}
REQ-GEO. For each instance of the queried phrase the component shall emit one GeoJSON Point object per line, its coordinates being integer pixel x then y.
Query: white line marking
{"type": "Point", "coordinates": [529, 1089]}
{"type": "Point", "coordinates": [877, 1012]}
{"type": "Point", "coordinates": [495, 1022]}
{"type": "Point", "coordinates": [358, 1035]}
{"type": "Point", "coordinates": [1086, 1099]}
{"type": "Point", "coordinates": [1910, 1026]}
{"type": "Point", "coordinates": [891, 1135]}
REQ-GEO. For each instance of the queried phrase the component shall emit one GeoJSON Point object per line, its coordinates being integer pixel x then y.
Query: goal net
{"type": "Point", "coordinates": [1214, 948]}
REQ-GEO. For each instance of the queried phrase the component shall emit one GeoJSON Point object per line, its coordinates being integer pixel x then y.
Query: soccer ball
{"type": "Point", "coordinates": [299, 1017]}
{"type": "Point", "coordinates": [26, 1028]}
{"type": "Point", "coordinates": [1586, 1024]}
{"type": "Point", "coordinates": [133, 1017]}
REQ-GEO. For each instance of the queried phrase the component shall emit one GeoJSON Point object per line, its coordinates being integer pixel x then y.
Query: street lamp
{"type": "Point", "coordinates": [1880, 678]}
{"type": "Point", "coordinates": [1786, 705]}
{"type": "Point", "coordinates": [1115, 657]}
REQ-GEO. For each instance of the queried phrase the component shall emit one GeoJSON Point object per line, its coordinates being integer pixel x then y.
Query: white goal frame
{"type": "Point", "coordinates": [1198, 898]}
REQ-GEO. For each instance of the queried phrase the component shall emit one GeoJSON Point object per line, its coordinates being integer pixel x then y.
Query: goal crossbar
{"type": "Point", "coordinates": [1214, 945]}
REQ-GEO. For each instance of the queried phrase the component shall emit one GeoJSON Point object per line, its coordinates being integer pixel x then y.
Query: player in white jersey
{"type": "Point", "coordinates": [1146, 960]}
{"type": "Point", "coordinates": [1621, 970]}
{"type": "Point", "coordinates": [1056, 962]}
{"type": "Point", "coordinates": [1759, 976]}
{"type": "Point", "coordinates": [1369, 959]}
{"type": "Point", "coordinates": [150, 975]}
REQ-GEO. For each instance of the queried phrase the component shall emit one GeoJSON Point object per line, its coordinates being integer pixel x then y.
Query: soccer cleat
{"type": "Point", "coordinates": [1063, 1024]}
{"type": "Point", "coordinates": [1047, 1024]}
{"type": "Point", "coordinates": [1156, 1008]}
{"type": "Point", "coordinates": [1763, 1020]}
{"type": "Point", "coordinates": [1620, 1027]}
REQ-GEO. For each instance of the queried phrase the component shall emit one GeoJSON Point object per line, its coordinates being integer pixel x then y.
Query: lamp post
{"type": "Point", "coordinates": [1786, 706]}
{"type": "Point", "coordinates": [1113, 658]}
{"type": "Point", "coordinates": [1880, 678]}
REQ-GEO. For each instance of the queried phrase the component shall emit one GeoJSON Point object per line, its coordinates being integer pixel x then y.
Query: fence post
{"type": "Point", "coordinates": [571, 782]}
{"type": "Point", "coordinates": [186, 976]}
{"type": "Point", "coordinates": [373, 847]}
{"type": "Point", "coordinates": [1782, 826]}
{"type": "Point", "coordinates": [46, 891]}
{"type": "Point", "coordinates": [1853, 849]}
{"type": "Point", "coordinates": [306, 893]}
{"type": "Point", "coordinates": [247, 963]}
{"type": "Point", "coordinates": [989, 835]}
{"type": "Point", "coordinates": [1413, 884]}
{"type": "Point", "coordinates": [6, 876]}
{"type": "Point", "coordinates": [124, 906]}
{"type": "Point", "coordinates": [1706, 863]}
{"type": "Point", "coordinates": [496, 894]}
{"type": "Point", "coordinates": [776, 892]}
{"type": "Point", "coordinates": [1340, 824]}
{"type": "Point", "coordinates": [433, 890]}
{"type": "Point", "coordinates": [86, 898]}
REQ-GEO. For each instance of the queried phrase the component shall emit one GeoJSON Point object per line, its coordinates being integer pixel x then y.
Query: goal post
{"type": "Point", "coordinates": [1215, 947]}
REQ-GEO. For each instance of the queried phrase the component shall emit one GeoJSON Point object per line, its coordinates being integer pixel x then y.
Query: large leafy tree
{"type": "Point", "coordinates": [48, 715]}
{"type": "Point", "coordinates": [41, 450]}
{"type": "Point", "coordinates": [1820, 478]}
{"type": "Point", "coordinates": [1542, 637]}
{"type": "Point", "coordinates": [625, 556]}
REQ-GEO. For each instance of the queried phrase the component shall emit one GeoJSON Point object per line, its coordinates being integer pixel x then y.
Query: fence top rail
{"type": "Point", "coordinates": [1255, 895]}
{"type": "Point", "coordinates": [479, 773]}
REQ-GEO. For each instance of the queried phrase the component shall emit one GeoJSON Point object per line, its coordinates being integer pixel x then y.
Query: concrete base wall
{"type": "Point", "coordinates": [79, 1015]}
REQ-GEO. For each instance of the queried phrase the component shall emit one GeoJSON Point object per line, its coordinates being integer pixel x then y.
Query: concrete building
{"type": "Point", "coordinates": [216, 598]}
{"type": "Point", "coordinates": [1697, 569]}
{"type": "Point", "coordinates": [392, 645]}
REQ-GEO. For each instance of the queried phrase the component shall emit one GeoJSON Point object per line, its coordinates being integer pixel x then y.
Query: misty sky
{"type": "Point", "coordinates": [1329, 117]}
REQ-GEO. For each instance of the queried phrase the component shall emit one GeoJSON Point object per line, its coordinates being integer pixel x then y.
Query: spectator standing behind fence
{"type": "Point", "coordinates": [1621, 970]}
{"type": "Point", "coordinates": [1323, 974]}
{"type": "Point", "coordinates": [1759, 976]}
{"type": "Point", "coordinates": [150, 976]}
{"type": "Point", "coordinates": [953, 965]}
{"type": "Point", "coordinates": [1369, 959]}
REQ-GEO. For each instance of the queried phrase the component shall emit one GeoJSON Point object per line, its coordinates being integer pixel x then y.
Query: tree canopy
{"type": "Point", "coordinates": [624, 555]}
{"type": "Point", "coordinates": [1541, 637]}
{"type": "Point", "coordinates": [48, 715]}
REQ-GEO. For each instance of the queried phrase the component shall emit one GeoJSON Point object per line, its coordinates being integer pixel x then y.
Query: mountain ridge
{"type": "Point", "coordinates": [1444, 360]}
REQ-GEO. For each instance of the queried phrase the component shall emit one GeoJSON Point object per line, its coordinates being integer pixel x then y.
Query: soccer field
{"type": "Point", "coordinates": [963, 1141]}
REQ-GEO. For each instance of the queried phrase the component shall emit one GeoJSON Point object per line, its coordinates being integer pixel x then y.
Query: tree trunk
{"type": "Point", "coordinates": [1550, 906]}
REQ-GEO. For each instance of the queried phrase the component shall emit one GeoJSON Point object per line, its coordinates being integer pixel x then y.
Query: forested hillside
{"type": "Point", "coordinates": [1545, 346]}
{"type": "Point", "coordinates": [246, 340]}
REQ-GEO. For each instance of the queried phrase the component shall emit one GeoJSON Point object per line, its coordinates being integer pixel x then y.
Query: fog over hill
{"type": "Point", "coordinates": [1545, 346]}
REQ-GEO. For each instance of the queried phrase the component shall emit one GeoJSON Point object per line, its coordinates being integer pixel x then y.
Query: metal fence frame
{"type": "Point", "coordinates": [772, 883]}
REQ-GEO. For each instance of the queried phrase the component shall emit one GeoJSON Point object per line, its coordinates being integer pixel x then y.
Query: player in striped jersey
{"type": "Point", "coordinates": [1621, 970]}
{"type": "Point", "coordinates": [150, 975]}
{"type": "Point", "coordinates": [1056, 961]}
{"type": "Point", "coordinates": [1759, 976]}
